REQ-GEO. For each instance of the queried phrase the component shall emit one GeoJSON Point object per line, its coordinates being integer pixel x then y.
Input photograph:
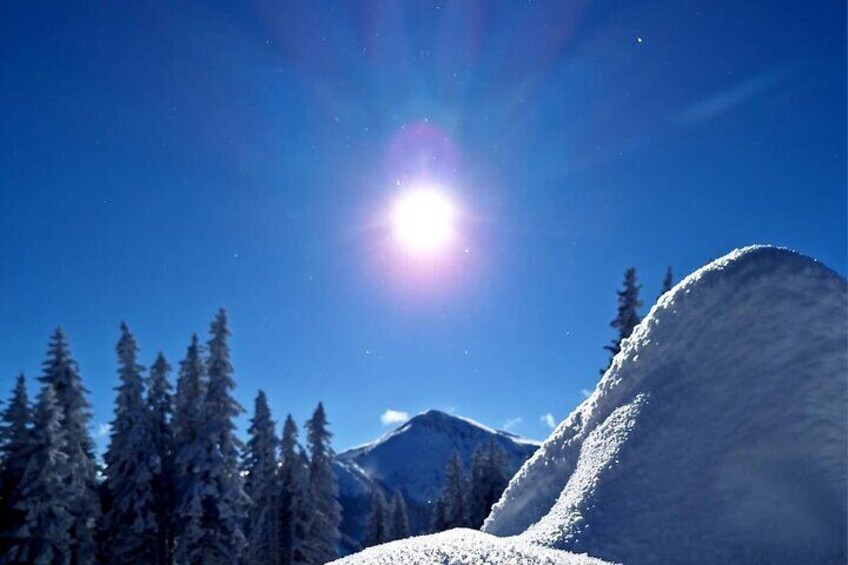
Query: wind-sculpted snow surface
{"type": "Point", "coordinates": [718, 435]}
{"type": "Point", "coordinates": [465, 547]}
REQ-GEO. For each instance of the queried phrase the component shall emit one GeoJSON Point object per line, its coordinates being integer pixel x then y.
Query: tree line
{"type": "Point", "coordinates": [466, 500]}
{"type": "Point", "coordinates": [176, 484]}
{"type": "Point", "coordinates": [386, 522]}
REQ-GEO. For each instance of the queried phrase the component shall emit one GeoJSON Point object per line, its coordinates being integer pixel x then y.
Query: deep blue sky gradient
{"type": "Point", "coordinates": [159, 160]}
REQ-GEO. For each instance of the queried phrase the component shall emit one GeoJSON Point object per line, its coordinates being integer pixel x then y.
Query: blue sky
{"type": "Point", "coordinates": [159, 161]}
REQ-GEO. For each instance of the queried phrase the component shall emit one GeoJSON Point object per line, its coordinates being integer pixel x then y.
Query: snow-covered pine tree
{"type": "Point", "coordinates": [324, 531]}
{"type": "Point", "coordinates": [130, 529]}
{"type": "Point", "coordinates": [46, 491]}
{"type": "Point", "coordinates": [160, 410]}
{"type": "Point", "coordinates": [296, 509]}
{"type": "Point", "coordinates": [230, 502]}
{"type": "Point", "coordinates": [628, 313]}
{"type": "Point", "coordinates": [62, 372]}
{"type": "Point", "coordinates": [212, 506]}
{"type": "Point", "coordinates": [453, 494]}
{"type": "Point", "coordinates": [191, 391]}
{"type": "Point", "coordinates": [261, 485]}
{"type": "Point", "coordinates": [668, 281]}
{"type": "Point", "coordinates": [377, 527]}
{"type": "Point", "coordinates": [399, 518]}
{"type": "Point", "coordinates": [190, 459]}
{"type": "Point", "coordinates": [15, 440]}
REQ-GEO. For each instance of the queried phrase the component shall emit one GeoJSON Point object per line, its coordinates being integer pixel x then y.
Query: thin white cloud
{"type": "Point", "coordinates": [548, 420]}
{"type": "Point", "coordinates": [103, 430]}
{"type": "Point", "coordinates": [393, 417]}
{"type": "Point", "coordinates": [585, 392]}
{"type": "Point", "coordinates": [732, 96]}
{"type": "Point", "coordinates": [511, 423]}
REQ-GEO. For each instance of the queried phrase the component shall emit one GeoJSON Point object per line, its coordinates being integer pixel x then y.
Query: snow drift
{"type": "Point", "coordinates": [718, 435]}
{"type": "Point", "coordinates": [465, 547]}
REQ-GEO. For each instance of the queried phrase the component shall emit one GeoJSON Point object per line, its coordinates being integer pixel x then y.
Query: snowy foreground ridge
{"type": "Point", "coordinates": [718, 435]}
{"type": "Point", "coordinates": [466, 547]}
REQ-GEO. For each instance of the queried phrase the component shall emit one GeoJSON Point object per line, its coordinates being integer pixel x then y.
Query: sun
{"type": "Point", "coordinates": [424, 221]}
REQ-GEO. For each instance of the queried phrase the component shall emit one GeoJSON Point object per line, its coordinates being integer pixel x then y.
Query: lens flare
{"type": "Point", "coordinates": [424, 221]}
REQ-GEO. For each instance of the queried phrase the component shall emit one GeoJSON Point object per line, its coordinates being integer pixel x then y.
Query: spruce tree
{"type": "Point", "coordinates": [499, 473]}
{"type": "Point", "coordinates": [160, 411]}
{"type": "Point", "coordinates": [324, 531]}
{"type": "Point", "coordinates": [212, 506]}
{"type": "Point", "coordinates": [191, 459]}
{"type": "Point", "coordinates": [628, 313]}
{"type": "Point", "coordinates": [62, 373]}
{"type": "Point", "coordinates": [487, 481]}
{"type": "Point", "coordinates": [477, 489]}
{"type": "Point", "coordinates": [46, 491]}
{"type": "Point", "coordinates": [668, 281]}
{"type": "Point", "coordinates": [261, 485]}
{"type": "Point", "coordinates": [130, 533]}
{"type": "Point", "coordinates": [15, 440]}
{"type": "Point", "coordinates": [439, 520]}
{"type": "Point", "coordinates": [231, 502]}
{"type": "Point", "coordinates": [377, 527]}
{"type": "Point", "coordinates": [399, 518]}
{"type": "Point", "coordinates": [191, 390]}
{"type": "Point", "coordinates": [453, 494]}
{"type": "Point", "coordinates": [296, 509]}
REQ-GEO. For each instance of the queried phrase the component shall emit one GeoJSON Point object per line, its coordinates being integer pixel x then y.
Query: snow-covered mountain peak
{"type": "Point", "coordinates": [411, 459]}
{"type": "Point", "coordinates": [459, 430]}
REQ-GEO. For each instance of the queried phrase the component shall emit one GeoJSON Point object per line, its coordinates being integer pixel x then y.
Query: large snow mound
{"type": "Point", "coordinates": [718, 435]}
{"type": "Point", "coordinates": [464, 547]}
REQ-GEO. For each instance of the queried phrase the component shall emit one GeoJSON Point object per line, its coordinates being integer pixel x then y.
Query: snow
{"type": "Point", "coordinates": [395, 459]}
{"type": "Point", "coordinates": [395, 462]}
{"type": "Point", "coordinates": [464, 547]}
{"type": "Point", "coordinates": [718, 435]}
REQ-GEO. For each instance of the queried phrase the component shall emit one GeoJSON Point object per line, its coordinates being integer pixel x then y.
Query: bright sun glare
{"type": "Point", "coordinates": [424, 220]}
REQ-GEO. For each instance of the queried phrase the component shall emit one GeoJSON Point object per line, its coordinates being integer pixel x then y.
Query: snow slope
{"type": "Point", "coordinates": [465, 547]}
{"type": "Point", "coordinates": [718, 435]}
{"type": "Point", "coordinates": [412, 459]}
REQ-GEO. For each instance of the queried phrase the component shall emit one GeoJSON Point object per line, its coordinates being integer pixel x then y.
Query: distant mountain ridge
{"type": "Point", "coordinates": [411, 460]}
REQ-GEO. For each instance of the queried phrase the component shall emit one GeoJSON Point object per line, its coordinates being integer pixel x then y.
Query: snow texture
{"type": "Point", "coordinates": [464, 547]}
{"type": "Point", "coordinates": [718, 435]}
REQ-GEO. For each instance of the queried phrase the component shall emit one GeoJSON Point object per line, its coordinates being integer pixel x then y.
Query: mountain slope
{"type": "Point", "coordinates": [412, 460]}
{"type": "Point", "coordinates": [718, 435]}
